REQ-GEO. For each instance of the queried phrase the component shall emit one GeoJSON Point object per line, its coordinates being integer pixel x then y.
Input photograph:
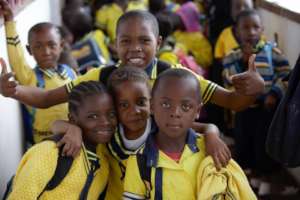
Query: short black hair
{"type": "Point", "coordinates": [246, 13]}
{"type": "Point", "coordinates": [165, 23]}
{"type": "Point", "coordinates": [85, 89]}
{"type": "Point", "coordinates": [40, 26]}
{"type": "Point", "coordinates": [180, 74]}
{"type": "Point", "coordinates": [156, 6]}
{"type": "Point", "coordinates": [127, 73]}
{"type": "Point", "coordinates": [139, 14]}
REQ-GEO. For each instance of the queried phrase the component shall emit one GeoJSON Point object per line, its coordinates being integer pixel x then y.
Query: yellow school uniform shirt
{"type": "Point", "coordinates": [178, 179]}
{"type": "Point", "coordinates": [226, 43]}
{"type": "Point", "coordinates": [37, 168]}
{"type": "Point", "coordinates": [207, 87]}
{"type": "Point", "coordinates": [43, 118]}
{"type": "Point", "coordinates": [107, 17]}
{"type": "Point", "coordinates": [230, 181]}
{"type": "Point", "coordinates": [137, 5]}
{"type": "Point", "coordinates": [198, 45]}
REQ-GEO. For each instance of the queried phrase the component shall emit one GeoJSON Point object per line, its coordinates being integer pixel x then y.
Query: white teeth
{"type": "Point", "coordinates": [135, 60]}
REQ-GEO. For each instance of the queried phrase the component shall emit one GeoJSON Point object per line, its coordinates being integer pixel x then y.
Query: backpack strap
{"type": "Point", "coordinates": [8, 188]}
{"type": "Point", "coordinates": [63, 166]}
{"type": "Point", "coordinates": [106, 72]}
{"type": "Point", "coordinates": [268, 49]}
{"type": "Point", "coordinates": [145, 173]}
{"type": "Point", "coordinates": [69, 71]}
{"type": "Point", "coordinates": [162, 66]}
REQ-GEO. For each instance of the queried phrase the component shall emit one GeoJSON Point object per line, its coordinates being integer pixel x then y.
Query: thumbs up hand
{"type": "Point", "coordinates": [7, 86]}
{"type": "Point", "coordinates": [249, 82]}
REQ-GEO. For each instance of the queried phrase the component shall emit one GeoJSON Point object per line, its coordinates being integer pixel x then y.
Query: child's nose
{"type": "Point", "coordinates": [175, 112]}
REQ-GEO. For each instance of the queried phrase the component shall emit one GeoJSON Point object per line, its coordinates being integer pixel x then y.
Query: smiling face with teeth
{"type": "Point", "coordinates": [136, 42]}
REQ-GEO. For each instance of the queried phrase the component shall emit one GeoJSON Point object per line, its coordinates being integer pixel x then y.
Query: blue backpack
{"type": "Point", "coordinates": [28, 115]}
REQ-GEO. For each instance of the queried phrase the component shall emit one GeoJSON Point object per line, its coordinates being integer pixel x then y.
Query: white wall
{"type": "Point", "coordinates": [11, 143]}
{"type": "Point", "coordinates": [288, 33]}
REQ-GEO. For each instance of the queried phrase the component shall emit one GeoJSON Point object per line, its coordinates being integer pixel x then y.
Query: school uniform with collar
{"type": "Point", "coordinates": [117, 152]}
{"type": "Point", "coordinates": [169, 179]}
{"type": "Point", "coordinates": [50, 78]}
{"type": "Point", "coordinates": [39, 163]}
{"type": "Point", "coordinates": [153, 70]}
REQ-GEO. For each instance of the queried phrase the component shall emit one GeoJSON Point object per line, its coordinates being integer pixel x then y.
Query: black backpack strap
{"type": "Point", "coordinates": [145, 173]}
{"type": "Point", "coordinates": [162, 66]}
{"type": "Point", "coordinates": [105, 73]}
{"type": "Point", "coordinates": [8, 188]}
{"type": "Point", "coordinates": [158, 183]}
{"type": "Point", "coordinates": [103, 194]}
{"type": "Point", "coordinates": [62, 168]}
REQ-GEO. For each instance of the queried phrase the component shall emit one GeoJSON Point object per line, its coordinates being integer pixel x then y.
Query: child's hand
{"type": "Point", "coordinates": [270, 102]}
{"type": "Point", "coordinates": [218, 150]}
{"type": "Point", "coordinates": [8, 88]}
{"type": "Point", "coordinates": [6, 9]}
{"type": "Point", "coordinates": [72, 141]}
{"type": "Point", "coordinates": [249, 82]}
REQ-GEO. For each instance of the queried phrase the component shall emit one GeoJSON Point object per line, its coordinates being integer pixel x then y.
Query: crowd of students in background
{"type": "Point", "coordinates": [111, 42]}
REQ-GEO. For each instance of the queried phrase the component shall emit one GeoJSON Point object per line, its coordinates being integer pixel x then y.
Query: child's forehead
{"type": "Point", "coordinates": [45, 33]}
{"type": "Point", "coordinates": [252, 18]}
{"type": "Point", "coordinates": [140, 25]}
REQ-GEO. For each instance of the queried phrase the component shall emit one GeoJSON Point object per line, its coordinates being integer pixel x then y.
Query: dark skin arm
{"type": "Point", "coordinates": [215, 147]}
{"type": "Point", "coordinates": [247, 86]}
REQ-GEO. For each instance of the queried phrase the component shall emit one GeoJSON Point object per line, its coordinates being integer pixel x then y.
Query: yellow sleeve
{"type": "Point", "coordinates": [92, 75]}
{"type": "Point", "coordinates": [207, 87]}
{"type": "Point", "coordinates": [134, 187]}
{"type": "Point", "coordinates": [202, 51]}
{"type": "Point", "coordinates": [101, 42]}
{"type": "Point", "coordinates": [101, 19]}
{"type": "Point", "coordinates": [219, 48]}
{"type": "Point", "coordinates": [169, 57]}
{"type": "Point", "coordinates": [229, 181]}
{"type": "Point", "coordinates": [34, 171]}
{"type": "Point", "coordinates": [24, 73]}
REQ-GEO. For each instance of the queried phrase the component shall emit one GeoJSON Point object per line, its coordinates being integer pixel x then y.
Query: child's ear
{"type": "Point", "coordinates": [159, 41]}
{"type": "Point", "coordinates": [71, 118]}
{"type": "Point", "coordinates": [62, 43]}
{"type": "Point", "coordinates": [28, 49]}
{"type": "Point", "coordinates": [198, 110]}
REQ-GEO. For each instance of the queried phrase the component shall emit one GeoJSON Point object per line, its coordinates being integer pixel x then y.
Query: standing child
{"type": "Point", "coordinates": [166, 167]}
{"type": "Point", "coordinates": [91, 108]}
{"type": "Point", "coordinates": [45, 45]}
{"type": "Point", "coordinates": [131, 90]}
{"type": "Point", "coordinates": [251, 125]}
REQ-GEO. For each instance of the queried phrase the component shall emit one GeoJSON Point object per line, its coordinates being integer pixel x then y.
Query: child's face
{"type": "Point", "coordinates": [239, 5]}
{"type": "Point", "coordinates": [45, 46]}
{"type": "Point", "coordinates": [97, 118]}
{"type": "Point", "coordinates": [249, 30]}
{"type": "Point", "coordinates": [136, 43]}
{"type": "Point", "coordinates": [133, 106]}
{"type": "Point", "coordinates": [175, 106]}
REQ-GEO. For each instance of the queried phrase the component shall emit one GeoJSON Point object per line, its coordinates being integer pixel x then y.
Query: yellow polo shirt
{"type": "Point", "coordinates": [179, 179]}
{"type": "Point", "coordinates": [37, 168]}
{"type": "Point", "coordinates": [207, 87]}
{"type": "Point", "coordinates": [43, 118]}
{"type": "Point", "coordinates": [226, 42]}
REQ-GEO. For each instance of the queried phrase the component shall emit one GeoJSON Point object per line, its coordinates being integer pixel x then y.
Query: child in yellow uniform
{"type": "Point", "coordinates": [45, 45]}
{"type": "Point", "coordinates": [137, 43]}
{"type": "Point", "coordinates": [173, 151]}
{"type": "Point", "coordinates": [91, 108]}
{"type": "Point", "coordinates": [227, 40]}
{"type": "Point", "coordinates": [131, 89]}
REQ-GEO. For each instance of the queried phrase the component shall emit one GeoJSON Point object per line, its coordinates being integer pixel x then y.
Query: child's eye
{"type": "Point", "coordinates": [124, 41]}
{"type": "Point", "coordinates": [186, 107]}
{"type": "Point", "coordinates": [52, 46]}
{"type": "Point", "coordinates": [165, 105]}
{"type": "Point", "coordinates": [112, 115]}
{"type": "Point", "coordinates": [123, 105]}
{"type": "Point", "coordinates": [142, 102]}
{"type": "Point", "coordinates": [37, 47]}
{"type": "Point", "coordinates": [92, 116]}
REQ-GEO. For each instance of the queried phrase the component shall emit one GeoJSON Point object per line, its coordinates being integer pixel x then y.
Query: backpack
{"type": "Point", "coordinates": [145, 174]}
{"type": "Point", "coordinates": [63, 166]}
{"type": "Point", "coordinates": [29, 115]}
{"type": "Point", "coordinates": [283, 139]}
{"type": "Point", "coordinates": [88, 54]}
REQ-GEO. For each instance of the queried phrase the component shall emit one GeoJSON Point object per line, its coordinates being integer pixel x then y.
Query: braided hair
{"type": "Point", "coordinates": [127, 73]}
{"type": "Point", "coordinates": [83, 90]}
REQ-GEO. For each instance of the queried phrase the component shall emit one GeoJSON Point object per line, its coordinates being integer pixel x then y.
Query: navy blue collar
{"type": "Point", "coordinates": [150, 67]}
{"type": "Point", "coordinates": [151, 150]}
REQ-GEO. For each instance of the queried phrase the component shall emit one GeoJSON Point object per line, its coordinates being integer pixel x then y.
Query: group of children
{"type": "Point", "coordinates": [155, 151]}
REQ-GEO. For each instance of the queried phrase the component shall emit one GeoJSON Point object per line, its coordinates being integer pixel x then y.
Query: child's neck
{"type": "Point", "coordinates": [170, 145]}
{"type": "Point", "coordinates": [133, 135]}
{"type": "Point", "coordinates": [89, 145]}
